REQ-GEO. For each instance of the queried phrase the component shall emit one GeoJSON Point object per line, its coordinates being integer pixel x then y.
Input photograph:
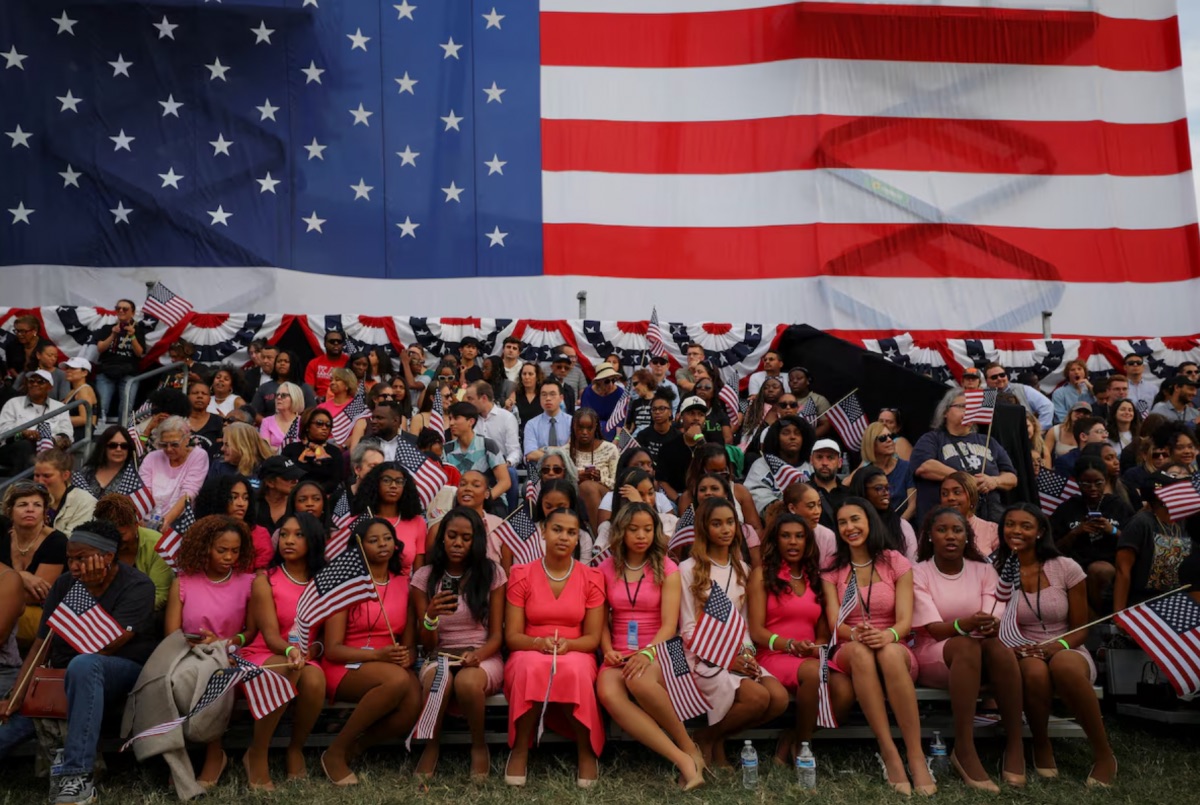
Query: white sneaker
{"type": "Point", "coordinates": [77, 789]}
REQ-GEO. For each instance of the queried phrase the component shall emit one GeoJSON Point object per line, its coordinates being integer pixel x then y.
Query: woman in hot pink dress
{"type": "Point", "coordinates": [209, 599]}
{"type": "Point", "coordinates": [871, 639]}
{"type": "Point", "coordinates": [957, 624]}
{"type": "Point", "coordinates": [554, 618]}
{"type": "Point", "coordinates": [459, 600]}
{"type": "Point", "coordinates": [369, 654]}
{"type": "Point", "coordinates": [642, 587]}
{"type": "Point", "coordinates": [784, 605]}
{"type": "Point", "coordinates": [1051, 600]}
{"type": "Point", "coordinates": [299, 555]}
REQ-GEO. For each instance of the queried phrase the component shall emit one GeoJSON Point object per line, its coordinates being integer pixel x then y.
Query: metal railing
{"type": "Point", "coordinates": [75, 447]}
{"type": "Point", "coordinates": [127, 390]}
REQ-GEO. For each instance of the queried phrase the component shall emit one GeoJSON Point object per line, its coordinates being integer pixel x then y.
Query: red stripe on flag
{"type": "Point", "coordinates": [864, 250]}
{"type": "Point", "coordinates": [810, 142]}
{"type": "Point", "coordinates": [882, 32]}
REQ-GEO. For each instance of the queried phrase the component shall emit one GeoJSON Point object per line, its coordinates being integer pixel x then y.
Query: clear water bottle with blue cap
{"type": "Point", "coordinates": [806, 768]}
{"type": "Point", "coordinates": [939, 759]}
{"type": "Point", "coordinates": [749, 767]}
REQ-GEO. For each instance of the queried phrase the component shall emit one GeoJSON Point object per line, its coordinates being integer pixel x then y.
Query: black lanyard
{"type": "Point", "coordinates": [866, 605]}
{"type": "Point", "coordinates": [637, 591]}
{"type": "Point", "coordinates": [1037, 611]}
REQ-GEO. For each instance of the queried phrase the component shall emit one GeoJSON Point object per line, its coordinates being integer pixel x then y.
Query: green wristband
{"type": "Point", "coordinates": [646, 652]}
{"type": "Point", "coordinates": [287, 652]}
{"type": "Point", "coordinates": [771, 642]}
{"type": "Point", "coordinates": [957, 628]}
{"type": "Point", "coordinates": [1064, 644]}
{"type": "Point", "coordinates": [895, 634]}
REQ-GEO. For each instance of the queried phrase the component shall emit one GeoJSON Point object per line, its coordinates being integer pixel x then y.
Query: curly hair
{"type": "Point", "coordinates": [116, 509]}
{"type": "Point", "coordinates": [198, 541]}
{"type": "Point", "coordinates": [656, 554]}
{"type": "Point", "coordinates": [772, 557]}
{"type": "Point", "coordinates": [925, 539]}
{"type": "Point", "coordinates": [367, 497]}
{"type": "Point", "coordinates": [216, 493]}
{"type": "Point", "coordinates": [702, 579]}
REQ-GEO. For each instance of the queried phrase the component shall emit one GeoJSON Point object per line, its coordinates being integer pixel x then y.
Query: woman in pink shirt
{"type": "Point", "coordinates": [643, 591]}
{"type": "Point", "coordinates": [871, 639]}
{"type": "Point", "coordinates": [231, 495]}
{"type": "Point", "coordinates": [959, 491]}
{"type": "Point", "coordinates": [209, 599]}
{"type": "Point", "coordinates": [957, 622]}
{"type": "Point", "coordinates": [805, 501]}
{"type": "Point", "coordinates": [389, 493]}
{"type": "Point", "coordinates": [459, 600]}
{"type": "Point", "coordinates": [175, 471]}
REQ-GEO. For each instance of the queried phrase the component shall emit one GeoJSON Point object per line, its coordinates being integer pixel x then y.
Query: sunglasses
{"type": "Point", "coordinates": [786, 404]}
{"type": "Point", "coordinates": [334, 341]}
{"type": "Point", "coordinates": [883, 438]}
{"type": "Point", "coordinates": [320, 423]}
{"type": "Point", "coordinates": [554, 471]}
{"type": "Point", "coordinates": [705, 387]}
{"type": "Point", "coordinates": [1134, 363]}
{"type": "Point", "coordinates": [117, 446]}
{"type": "Point", "coordinates": [1161, 454]}
{"type": "Point", "coordinates": [124, 310]}
{"type": "Point", "coordinates": [28, 488]}
{"type": "Point", "coordinates": [997, 376]}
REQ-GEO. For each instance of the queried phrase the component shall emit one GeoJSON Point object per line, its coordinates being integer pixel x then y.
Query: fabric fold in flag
{"type": "Point", "coordinates": [423, 731]}
{"type": "Point", "coordinates": [82, 622]}
{"type": "Point", "coordinates": [686, 698]}
{"type": "Point", "coordinates": [720, 632]}
{"type": "Point", "coordinates": [172, 536]}
{"type": "Point", "coordinates": [166, 306]}
{"type": "Point", "coordinates": [520, 535]}
{"type": "Point", "coordinates": [342, 583]}
{"type": "Point", "coordinates": [1168, 629]}
{"type": "Point", "coordinates": [849, 421]}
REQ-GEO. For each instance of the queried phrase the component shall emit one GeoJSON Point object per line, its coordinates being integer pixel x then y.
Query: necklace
{"type": "Point", "coordinates": [228, 576]}
{"type": "Point", "coordinates": [291, 578]}
{"type": "Point", "coordinates": [637, 568]}
{"type": "Point", "coordinates": [860, 564]}
{"type": "Point", "coordinates": [29, 547]}
{"type": "Point", "coordinates": [795, 578]}
{"type": "Point", "coordinates": [552, 577]}
{"type": "Point", "coordinates": [378, 583]}
{"type": "Point", "coordinates": [450, 575]}
{"type": "Point", "coordinates": [950, 576]}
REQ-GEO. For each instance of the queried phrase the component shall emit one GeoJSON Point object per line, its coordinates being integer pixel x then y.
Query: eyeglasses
{"type": "Point", "coordinates": [170, 445]}
{"type": "Point", "coordinates": [885, 437]}
{"type": "Point", "coordinates": [705, 387]}
{"type": "Point", "coordinates": [997, 376]}
{"type": "Point", "coordinates": [552, 470]}
{"type": "Point", "coordinates": [123, 309]}
{"type": "Point", "coordinates": [320, 423]}
{"type": "Point", "coordinates": [22, 330]}
{"type": "Point", "coordinates": [660, 409]}
{"type": "Point", "coordinates": [1134, 363]}
{"type": "Point", "coordinates": [117, 446]}
{"type": "Point", "coordinates": [388, 480]}
{"type": "Point", "coordinates": [792, 404]}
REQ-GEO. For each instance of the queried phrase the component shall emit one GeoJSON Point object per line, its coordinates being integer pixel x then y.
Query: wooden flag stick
{"type": "Point", "coordinates": [835, 405]}
{"type": "Point", "coordinates": [987, 441]}
{"type": "Point", "coordinates": [19, 690]}
{"type": "Point", "coordinates": [1109, 617]}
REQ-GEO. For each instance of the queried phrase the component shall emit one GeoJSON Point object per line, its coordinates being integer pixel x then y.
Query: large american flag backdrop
{"type": "Point", "coordinates": [830, 158]}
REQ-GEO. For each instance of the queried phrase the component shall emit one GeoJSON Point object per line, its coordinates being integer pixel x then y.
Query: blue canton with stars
{"type": "Point", "coordinates": [345, 137]}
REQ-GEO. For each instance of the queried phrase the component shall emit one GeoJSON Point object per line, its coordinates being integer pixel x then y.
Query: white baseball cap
{"type": "Point", "coordinates": [827, 444]}
{"type": "Point", "coordinates": [78, 363]}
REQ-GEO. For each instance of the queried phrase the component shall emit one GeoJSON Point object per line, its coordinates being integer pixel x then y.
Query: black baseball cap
{"type": "Point", "coordinates": [281, 467]}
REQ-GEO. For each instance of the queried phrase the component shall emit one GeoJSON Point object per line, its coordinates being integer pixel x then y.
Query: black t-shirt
{"type": "Point", "coordinates": [1160, 550]}
{"type": "Point", "coordinates": [209, 437]}
{"type": "Point", "coordinates": [654, 441]}
{"type": "Point", "coordinates": [830, 502]}
{"type": "Point", "coordinates": [129, 599]}
{"type": "Point", "coordinates": [671, 466]}
{"type": "Point", "coordinates": [1089, 548]}
{"type": "Point", "coordinates": [119, 359]}
{"type": "Point", "coordinates": [52, 551]}
{"type": "Point", "coordinates": [327, 472]}
{"type": "Point", "coordinates": [639, 415]}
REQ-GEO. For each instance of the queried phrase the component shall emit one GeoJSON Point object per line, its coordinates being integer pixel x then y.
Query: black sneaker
{"type": "Point", "coordinates": [77, 789]}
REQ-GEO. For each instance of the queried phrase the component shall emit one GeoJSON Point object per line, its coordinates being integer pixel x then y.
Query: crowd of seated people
{"type": "Point", "coordinates": [638, 525]}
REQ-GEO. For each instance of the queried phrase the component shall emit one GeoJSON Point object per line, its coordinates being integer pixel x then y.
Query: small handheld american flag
{"type": "Point", "coordinates": [166, 306]}
{"type": "Point", "coordinates": [1168, 629]}
{"type": "Point", "coordinates": [293, 433]}
{"type": "Point", "coordinates": [720, 631]}
{"type": "Point", "coordinates": [654, 336]}
{"type": "Point", "coordinates": [685, 530]}
{"type": "Point", "coordinates": [172, 536]}
{"type": "Point", "coordinates": [82, 622]}
{"type": "Point", "coordinates": [520, 536]}
{"type": "Point", "coordinates": [266, 691]}
{"type": "Point", "coordinates": [220, 683]}
{"type": "Point", "coordinates": [343, 523]}
{"type": "Point", "coordinates": [1181, 498]}
{"type": "Point", "coordinates": [1054, 489]}
{"type": "Point", "coordinates": [825, 717]}
{"type": "Point", "coordinates": [981, 406]}
{"type": "Point", "coordinates": [729, 398]}
{"type": "Point", "coordinates": [343, 423]}
{"type": "Point", "coordinates": [437, 414]}
{"type": "Point", "coordinates": [602, 555]}
{"type": "Point", "coordinates": [810, 411]}
{"type": "Point", "coordinates": [686, 698]}
{"type": "Point", "coordinates": [849, 601]}
{"type": "Point", "coordinates": [129, 483]}
{"type": "Point", "coordinates": [45, 437]}
{"type": "Point", "coordinates": [616, 420]}
{"type": "Point", "coordinates": [849, 421]}
{"type": "Point", "coordinates": [1010, 581]}
{"type": "Point", "coordinates": [533, 482]}
{"type": "Point", "coordinates": [341, 584]}
{"type": "Point", "coordinates": [426, 724]}
{"type": "Point", "coordinates": [783, 474]}
{"type": "Point", "coordinates": [427, 473]}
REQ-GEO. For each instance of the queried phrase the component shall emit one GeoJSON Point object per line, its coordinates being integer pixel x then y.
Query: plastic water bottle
{"type": "Point", "coordinates": [631, 636]}
{"type": "Point", "coordinates": [56, 770]}
{"type": "Point", "coordinates": [749, 767]}
{"type": "Point", "coordinates": [939, 761]}
{"type": "Point", "coordinates": [806, 768]}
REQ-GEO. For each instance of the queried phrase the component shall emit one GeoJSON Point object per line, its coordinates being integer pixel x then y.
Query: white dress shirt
{"type": "Point", "coordinates": [20, 409]}
{"type": "Point", "coordinates": [500, 426]}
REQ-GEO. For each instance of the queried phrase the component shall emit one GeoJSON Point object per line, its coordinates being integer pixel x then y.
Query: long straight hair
{"type": "Point", "coordinates": [702, 575]}
{"type": "Point", "coordinates": [656, 554]}
{"type": "Point", "coordinates": [876, 534]}
{"type": "Point", "coordinates": [480, 571]}
{"type": "Point", "coordinates": [772, 558]}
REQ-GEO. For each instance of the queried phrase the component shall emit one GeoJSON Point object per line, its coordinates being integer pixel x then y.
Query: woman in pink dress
{"type": "Point", "coordinates": [954, 613]}
{"type": "Point", "coordinates": [299, 555]}
{"type": "Point", "coordinates": [743, 694]}
{"type": "Point", "coordinates": [642, 588]}
{"type": "Point", "coordinates": [210, 597]}
{"type": "Point", "coordinates": [459, 600]}
{"type": "Point", "coordinates": [959, 491]}
{"type": "Point", "coordinates": [390, 493]}
{"type": "Point", "coordinates": [871, 639]}
{"type": "Point", "coordinates": [231, 495]}
{"type": "Point", "coordinates": [1051, 600]}
{"type": "Point", "coordinates": [554, 618]}
{"type": "Point", "coordinates": [784, 604]}
{"type": "Point", "coordinates": [805, 501]}
{"type": "Point", "coordinates": [369, 654]}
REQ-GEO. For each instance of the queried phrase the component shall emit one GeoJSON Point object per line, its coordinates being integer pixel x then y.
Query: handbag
{"type": "Point", "coordinates": [47, 694]}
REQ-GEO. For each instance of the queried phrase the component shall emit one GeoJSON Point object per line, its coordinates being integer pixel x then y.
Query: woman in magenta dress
{"type": "Point", "coordinates": [871, 639]}
{"type": "Point", "coordinates": [458, 598]}
{"type": "Point", "coordinates": [1051, 600]}
{"type": "Point", "coordinates": [210, 597]}
{"type": "Point", "coordinates": [957, 622]}
{"type": "Point", "coordinates": [231, 495]}
{"type": "Point", "coordinates": [298, 557]}
{"type": "Point", "coordinates": [743, 694]}
{"type": "Point", "coordinates": [369, 653]}
{"type": "Point", "coordinates": [555, 614]}
{"type": "Point", "coordinates": [643, 591]}
{"type": "Point", "coordinates": [787, 623]}
{"type": "Point", "coordinates": [390, 493]}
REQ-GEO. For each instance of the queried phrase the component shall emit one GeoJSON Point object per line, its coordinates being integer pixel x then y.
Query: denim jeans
{"type": "Point", "coordinates": [14, 732]}
{"type": "Point", "coordinates": [93, 682]}
{"type": "Point", "coordinates": [513, 496]}
{"type": "Point", "coordinates": [106, 388]}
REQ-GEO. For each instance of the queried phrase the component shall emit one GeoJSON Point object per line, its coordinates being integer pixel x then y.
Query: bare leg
{"type": "Point", "coordinates": [613, 692]}
{"type": "Point", "coordinates": [1004, 672]}
{"type": "Point", "coordinates": [749, 705]}
{"type": "Point", "coordinates": [427, 765]}
{"type": "Point", "coordinates": [902, 696]}
{"type": "Point", "coordinates": [214, 763]}
{"type": "Point", "coordinates": [1100, 578]}
{"type": "Point", "coordinates": [1070, 675]}
{"type": "Point", "coordinates": [1035, 681]}
{"type": "Point", "coordinates": [518, 759]}
{"type": "Point", "coordinates": [859, 662]}
{"type": "Point", "coordinates": [964, 655]}
{"type": "Point", "coordinates": [590, 494]}
{"type": "Point", "coordinates": [808, 681]}
{"type": "Point", "coordinates": [378, 688]}
{"type": "Point", "coordinates": [587, 764]}
{"type": "Point", "coordinates": [470, 691]}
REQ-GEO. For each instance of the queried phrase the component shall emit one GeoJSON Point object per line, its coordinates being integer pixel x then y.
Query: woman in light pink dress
{"type": "Point", "coordinates": [957, 620]}
{"type": "Point", "coordinates": [458, 598]}
{"type": "Point", "coordinates": [871, 640]}
{"type": "Point", "coordinates": [1051, 600]}
{"type": "Point", "coordinates": [805, 501]}
{"type": "Point", "coordinates": [554, 618]}
{"type": "Point", "coordinates": [959, 491]}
